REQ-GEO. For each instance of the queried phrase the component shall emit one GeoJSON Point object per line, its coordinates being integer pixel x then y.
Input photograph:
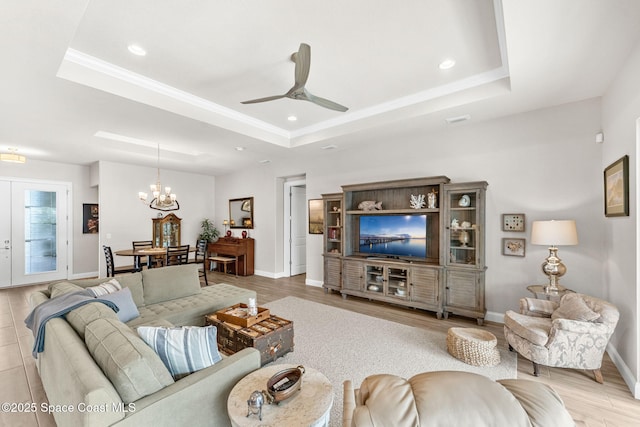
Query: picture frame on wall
{"type": "Point", "coordinates": [513, 247]}
{"type": "Point", "coordinates": [316, 216]}
{"type": "Point", "coordinates": [616, 188]}
{"type": "Point", "coordinates": [513, 222]}
{"type": "Point", "coordinates": [90, 218]}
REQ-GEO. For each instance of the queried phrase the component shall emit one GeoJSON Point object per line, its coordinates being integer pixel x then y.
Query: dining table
{"type": "Point", "coordinates": [150, 253]}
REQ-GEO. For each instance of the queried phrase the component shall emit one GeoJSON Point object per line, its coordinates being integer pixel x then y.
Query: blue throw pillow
{"type": "Point", "coordinates": [123, 299]}
{"type": "Point", "coordinates": [183, 350]}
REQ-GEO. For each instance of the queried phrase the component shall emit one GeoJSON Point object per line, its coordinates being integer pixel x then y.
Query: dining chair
{"type": "Point", "coordinates": [111, 268]}
{"type": "Point", "coordinates": [140, 260]}
{"type": "Point", "coordinates": [177, 255]}
{"type": "Point", "coordinates": [200, 256]}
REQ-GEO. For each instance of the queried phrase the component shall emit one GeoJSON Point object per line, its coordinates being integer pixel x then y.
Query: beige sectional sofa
{"type": "Point", "coordinates": [82, 382]}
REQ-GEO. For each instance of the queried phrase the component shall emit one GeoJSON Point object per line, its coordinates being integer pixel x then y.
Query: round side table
{"type": "Point", "coordinates": [311, 406]}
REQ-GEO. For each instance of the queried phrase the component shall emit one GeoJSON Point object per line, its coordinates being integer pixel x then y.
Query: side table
{"type": "Point", "coordinates": [311, 406]}
{"type": "Point", "coordinates": [541, 292]}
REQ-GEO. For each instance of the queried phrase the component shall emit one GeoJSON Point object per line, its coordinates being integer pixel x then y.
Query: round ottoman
{"type": "Point", "coordinates": [473, 346]}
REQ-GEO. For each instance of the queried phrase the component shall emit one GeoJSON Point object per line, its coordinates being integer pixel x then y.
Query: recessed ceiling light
{"type": "Point", "coordinates": [446, 64]}
{"type": "Point", "coordinates": [329, 147]}
{"type": "Point", "coordinates": [265, 161]}
{"type": "Point", "coordinates": [240, 148]}
{"type": "Point", "coordinates": [137, 50]}
{"type": "Point", "coordinates": [292, 118]}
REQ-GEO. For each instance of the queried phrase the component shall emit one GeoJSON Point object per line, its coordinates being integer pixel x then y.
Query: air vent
{"type": "Point", "coordinates": [458, 119]}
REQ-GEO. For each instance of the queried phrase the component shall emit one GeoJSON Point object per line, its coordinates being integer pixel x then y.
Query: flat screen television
{"type": "Point", "coordinates": [401, 236]}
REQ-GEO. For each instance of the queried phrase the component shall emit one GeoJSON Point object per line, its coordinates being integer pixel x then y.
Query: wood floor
{"type": "Point", "coordinates": [591, 404]}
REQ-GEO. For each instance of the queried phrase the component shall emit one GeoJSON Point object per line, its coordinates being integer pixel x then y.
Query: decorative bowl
{"type": "Point", "coordinates": [374, 288]}
{"type": "Point", "coordinates": [284, 384]}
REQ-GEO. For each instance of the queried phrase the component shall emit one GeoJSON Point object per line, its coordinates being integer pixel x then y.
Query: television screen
{"type": "Point", "coordinates": [394, 235]}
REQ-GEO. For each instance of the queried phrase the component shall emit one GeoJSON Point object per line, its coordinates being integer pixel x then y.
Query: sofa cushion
{"type": "Point", "coordinates": [533, 329]}
{"type": "Point", "coordinates": [133, 368]}
{"type": "Point", "coordinates": [573, 307]}
{"type": "Point", "coordinates": [169, 283]}
{"type": "Point", "coordinates": [183, 350]}
{"type": "Point", "coordinates": [80, 317]}
{"type": "Point", "coordinates": [133, 281]}
{"type": "Point", "coordinates": [543, 405]}
{"type": "Point", "coordinates": [61, 288]}
{"type": "Point", "coordinates": [105, 288]}
{"type": "Point", "coordinates": [127, 309]}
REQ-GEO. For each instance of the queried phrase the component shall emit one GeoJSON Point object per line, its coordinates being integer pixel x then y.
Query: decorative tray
{"type": "Point", "coordinates": [239, 315]}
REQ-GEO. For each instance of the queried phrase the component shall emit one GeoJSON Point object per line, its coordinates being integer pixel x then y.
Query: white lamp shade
{"type": "Point", "coordinates": [554, 233]}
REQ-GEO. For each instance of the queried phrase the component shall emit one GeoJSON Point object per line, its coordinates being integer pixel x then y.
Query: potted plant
{"type": "Point", "coordinates": [209, 231]}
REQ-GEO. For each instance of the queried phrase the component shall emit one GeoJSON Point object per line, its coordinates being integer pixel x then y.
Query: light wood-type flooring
{"type": "Point", "coordinates": [591, 404]}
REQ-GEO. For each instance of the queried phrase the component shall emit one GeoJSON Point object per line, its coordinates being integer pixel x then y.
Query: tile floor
{"type": "Point", "coordinates": [19, 380]}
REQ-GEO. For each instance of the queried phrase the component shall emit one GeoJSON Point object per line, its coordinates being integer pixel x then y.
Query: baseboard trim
{"type": "Point", "coordinates": [316, 283]}
{"type": "Point", "coordinates": [492, 316]}
{"type": "Point", "coordinates": [88, 275]}
{"type": "Point", "coordinates": [625, 372]}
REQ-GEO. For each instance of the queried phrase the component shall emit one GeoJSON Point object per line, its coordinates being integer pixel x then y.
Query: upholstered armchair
{"type": "Point", "coordinates": [571, 334]}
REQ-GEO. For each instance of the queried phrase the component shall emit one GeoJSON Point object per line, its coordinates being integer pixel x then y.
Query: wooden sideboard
{"type": "Point", "coordinates": [234, 247]}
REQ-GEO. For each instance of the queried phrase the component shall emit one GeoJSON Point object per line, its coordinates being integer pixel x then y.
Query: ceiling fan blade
{"type": "Point", "coordinates": [302, 58]}
{"type": "Point", "coordinates": [326, 103]}
{"type": "Point", "coordinates": [268, 98]}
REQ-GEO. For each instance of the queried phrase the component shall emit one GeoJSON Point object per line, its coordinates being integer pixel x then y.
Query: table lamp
{"type": "Point", "coordinates": [554, 233]}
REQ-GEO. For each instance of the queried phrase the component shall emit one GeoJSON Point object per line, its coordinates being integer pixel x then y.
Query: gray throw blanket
{"type": "Point", "coordinates": [57, 307]}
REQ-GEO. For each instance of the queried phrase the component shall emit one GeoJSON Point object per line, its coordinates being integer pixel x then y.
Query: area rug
{"type": "Point", "coordinates": [344, 345]}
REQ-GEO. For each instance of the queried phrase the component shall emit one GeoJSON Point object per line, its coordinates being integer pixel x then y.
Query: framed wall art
{"type": "Point", "coordinates": [513, 247]}
{"type": "Point", "coordinates": [513, 222]}
{"type": "Point", "coordinates": [90, 218]}
{"type": "Point", "coordinates": [616, 188]}
{"type": "Point", "coordinates": [316, 216]}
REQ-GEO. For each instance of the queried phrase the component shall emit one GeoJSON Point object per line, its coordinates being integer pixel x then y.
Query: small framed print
{"type": "Point", "coordinates": [513, 247]}
{"type": "Point", "coordinates": [616, 188]}
{"type": "Point", "coordinates": [513, 222]}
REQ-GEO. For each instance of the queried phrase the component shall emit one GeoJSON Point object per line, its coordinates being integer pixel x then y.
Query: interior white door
{"type": "Point", "coordinates": [298, 230]}
{"type": "Point", "coordinates": [5, 234]}
{"type": "Point", "coordinates": [39, 242]}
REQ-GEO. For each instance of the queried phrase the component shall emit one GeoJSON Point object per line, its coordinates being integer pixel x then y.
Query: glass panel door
{"type": "Point", "coordinates": [40, 237]}
{"type": "Point", "coordinates": [39, 229]}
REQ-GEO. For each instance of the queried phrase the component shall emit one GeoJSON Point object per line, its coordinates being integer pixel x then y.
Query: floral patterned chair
{"type": "Point", "coordinates": [571, 334]}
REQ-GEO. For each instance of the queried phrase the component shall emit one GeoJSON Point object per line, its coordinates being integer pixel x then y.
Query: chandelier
{"type": "Point", "coordinates": [166, 201]}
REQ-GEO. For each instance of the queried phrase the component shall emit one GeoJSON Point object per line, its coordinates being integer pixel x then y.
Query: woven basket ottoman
{"type": "Point", "coordinates": [473, 346]}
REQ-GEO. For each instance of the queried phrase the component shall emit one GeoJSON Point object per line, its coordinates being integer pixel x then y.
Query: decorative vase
{"type": "Point", "coordinates": [464, 238]}
{"type": "Point", "coordinates": [244, 234]}
{"type": "Point", "coordinates": [228, 233]}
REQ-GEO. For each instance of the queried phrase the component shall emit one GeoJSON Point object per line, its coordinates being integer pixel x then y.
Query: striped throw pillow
{"type": "Point", "coordinates": [183, 350]}
{"type": "Point", "coordinates": [105, 288]}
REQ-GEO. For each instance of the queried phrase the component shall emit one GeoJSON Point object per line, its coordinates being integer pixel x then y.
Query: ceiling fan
{"type": "Point", "coordinates": [302, 59]}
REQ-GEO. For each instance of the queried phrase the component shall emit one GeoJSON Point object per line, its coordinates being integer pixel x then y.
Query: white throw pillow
{"type": "Point", "coordinates": [105, 288]}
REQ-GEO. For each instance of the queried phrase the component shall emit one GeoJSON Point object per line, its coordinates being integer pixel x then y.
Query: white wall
{"type": "Point", "coordinates": [123, 218]}
{"type": "Point", "coordinates": [544, 163]}
{"type": "Point", "coordinates": [82, 192]}
{"type": "Point", "coordinates": [620, 113]}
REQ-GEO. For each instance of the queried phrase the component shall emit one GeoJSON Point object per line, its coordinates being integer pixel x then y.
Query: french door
{"type": "Point", "coordinates": [33, 232]}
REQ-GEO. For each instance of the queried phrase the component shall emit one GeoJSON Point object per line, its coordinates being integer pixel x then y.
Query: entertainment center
{"type": "Point", "coordinates": [414, 242]}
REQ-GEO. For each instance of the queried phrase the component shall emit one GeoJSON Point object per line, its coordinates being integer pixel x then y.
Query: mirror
{"type": "Point", "coordinates": [241, 213]}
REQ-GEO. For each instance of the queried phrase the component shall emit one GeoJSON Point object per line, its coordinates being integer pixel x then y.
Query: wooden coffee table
{"type": "Point", "coordinates": [311, 406]}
